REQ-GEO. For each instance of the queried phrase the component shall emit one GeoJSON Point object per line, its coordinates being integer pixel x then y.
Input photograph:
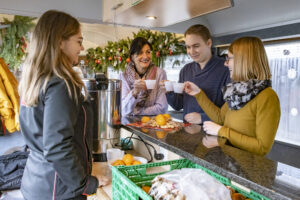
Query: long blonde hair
{"type": "Point", "coordinates": [45, 58]}
{"type": "Point", "coordinates": [250, 59]}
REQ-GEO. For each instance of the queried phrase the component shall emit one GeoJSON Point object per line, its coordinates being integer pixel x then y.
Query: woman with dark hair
{"type": "Point", "coordinates": [55, 118]}
{"type": "Point", "coordinates": [136, 99]}
{"type": "Point", "coordinates": [249, 119]}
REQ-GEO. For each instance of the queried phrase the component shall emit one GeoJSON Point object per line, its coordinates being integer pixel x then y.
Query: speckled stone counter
{"type": "Point", "coordinates": [257, 173]}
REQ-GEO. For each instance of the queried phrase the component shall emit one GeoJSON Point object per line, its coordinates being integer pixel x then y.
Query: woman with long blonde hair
{"type": "Point", "coordinates": [54, 115]}
{"type": "Point", "coordinates": [249, 119]}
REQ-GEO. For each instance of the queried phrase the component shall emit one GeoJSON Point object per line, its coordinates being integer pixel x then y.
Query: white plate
{"type": "Point", "coordinates": [138, 158]}
{"type": "Point", "coordinates": [141, 159]}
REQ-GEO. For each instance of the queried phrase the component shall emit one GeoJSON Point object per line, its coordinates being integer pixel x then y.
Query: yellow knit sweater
{"type": "Point", "coordinates": [253, 127]}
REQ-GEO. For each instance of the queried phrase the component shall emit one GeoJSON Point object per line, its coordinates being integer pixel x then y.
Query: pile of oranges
{"type": "Point", "coordinates": [127, 160]}
{"type": "Point", "coordinates": [145, 119]}
{"type": "Point", "coordinates": [160, 119]}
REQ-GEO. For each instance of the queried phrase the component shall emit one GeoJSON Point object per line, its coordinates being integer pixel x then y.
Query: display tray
{"type": "Point", "coordinates": [143, 125]}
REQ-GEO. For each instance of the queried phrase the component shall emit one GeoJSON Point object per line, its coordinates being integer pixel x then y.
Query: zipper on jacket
{"type": "Point", "coordinates": [84, 141]}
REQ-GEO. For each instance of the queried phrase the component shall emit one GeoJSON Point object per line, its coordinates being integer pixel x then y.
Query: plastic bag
{"type": "Point", "coordinates": [12, 195]}
{"type": "Point", "coordinates": [192, 183]}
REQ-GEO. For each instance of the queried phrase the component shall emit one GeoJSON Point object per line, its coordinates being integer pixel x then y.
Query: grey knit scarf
{"type": "Point", "coordinates": [238, 94]}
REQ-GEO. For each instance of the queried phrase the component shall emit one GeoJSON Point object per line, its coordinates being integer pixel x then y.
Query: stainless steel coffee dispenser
{"type": "Point", "coordinates": [105, 95]}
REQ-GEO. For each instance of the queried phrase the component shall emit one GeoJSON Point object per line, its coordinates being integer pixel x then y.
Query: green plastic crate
{"type": "Point", "coordinates": [128, 180]}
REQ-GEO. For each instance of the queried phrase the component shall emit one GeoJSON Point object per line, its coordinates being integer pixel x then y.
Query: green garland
{"type": "Point", "coordinates": [14, 40]}
{"type": "Point", "coordinates": [116, 54]}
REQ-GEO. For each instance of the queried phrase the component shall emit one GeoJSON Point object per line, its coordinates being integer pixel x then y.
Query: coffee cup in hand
{"type": "Point", "coordinates": [150, 84]}
{"type": "Point", "coordinates": [178, 87]}
{"type": "Point", "coordinates": [168, 85]}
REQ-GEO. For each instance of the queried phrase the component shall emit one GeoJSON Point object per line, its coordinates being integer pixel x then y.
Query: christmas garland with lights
{"type": "Point", "coordinates": [116, 54]}
{"type": "Point", "coordinates": [14, 39]}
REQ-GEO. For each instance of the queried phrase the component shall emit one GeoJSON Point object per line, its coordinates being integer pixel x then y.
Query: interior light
{"type": "Point", "coordinates": [294, 111]}
{"type": "Point", "coordinates": [151, 17]}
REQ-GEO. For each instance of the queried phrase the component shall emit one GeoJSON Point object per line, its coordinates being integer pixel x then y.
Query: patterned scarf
{"type": "Point", "coordinates": [238, 94]}
{"type": "Point", "coordinates": [132, 75]}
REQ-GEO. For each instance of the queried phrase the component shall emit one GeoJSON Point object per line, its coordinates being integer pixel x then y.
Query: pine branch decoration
{"type": "Point", "coordinates": [116, 54]}
{"type": "Point", "coordinates": [14, 40]}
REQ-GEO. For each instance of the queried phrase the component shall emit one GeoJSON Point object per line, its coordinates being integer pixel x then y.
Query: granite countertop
{"type": "Point", "coordinates": [257, 173]}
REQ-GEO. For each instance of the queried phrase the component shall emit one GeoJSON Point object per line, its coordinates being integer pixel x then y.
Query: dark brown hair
{"type": "Point", "coordinates": [137, 44]}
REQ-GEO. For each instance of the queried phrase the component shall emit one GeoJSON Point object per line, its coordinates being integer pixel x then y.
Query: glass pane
{"type": "Point", "coordinates": [284, 62]}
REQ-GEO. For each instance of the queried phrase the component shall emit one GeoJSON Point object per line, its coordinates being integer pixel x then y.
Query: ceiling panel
{"type": "Point", "coordinates": [167, 12]}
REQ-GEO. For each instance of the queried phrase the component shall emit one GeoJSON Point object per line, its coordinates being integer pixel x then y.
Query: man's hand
{"type": "Point", "coordinates": [193, 118]}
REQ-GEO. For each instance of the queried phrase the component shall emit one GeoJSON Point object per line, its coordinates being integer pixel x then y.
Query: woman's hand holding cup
{"type": "Point", "coordinates": [191, 88]}
{"type": "Point", "coordinates": [138, 86]}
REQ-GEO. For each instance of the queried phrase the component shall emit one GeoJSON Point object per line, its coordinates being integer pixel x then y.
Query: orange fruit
{"type": "Point", "coordinates": [167, 116]}
{"type": "Point", "coordinates": [136, 162]}
{"type": "Point", "coordinates": [145, 119]}
{"type": "Point", "coordinates": [160, 120]}
{"type": "Point", "coordinates": [128, 159]}
{"type": "Point", "coordinates": [146, 188]}
{"type": "Point", "coordinates": [118, 162]}
{"type": "Point", "coordinates": [237, 196]}
{"type": "Point", "coordinates": [160, 134]}
{"type": "Point", "coordinates": [145, 130]}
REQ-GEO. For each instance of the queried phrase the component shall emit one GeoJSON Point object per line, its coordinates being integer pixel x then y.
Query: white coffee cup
{"type": "Point", "coordinates": [178, 87]}
{"type": "Point", "coordinates": [169, 86]}
{"type": "Point", "coordinates": [150, 84]}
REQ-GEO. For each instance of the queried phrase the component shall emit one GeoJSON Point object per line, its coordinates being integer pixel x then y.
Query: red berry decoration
{"type": "Point", "coordinates": [157, 54]}
{"type": "Point", "coordinates": [127, 60]}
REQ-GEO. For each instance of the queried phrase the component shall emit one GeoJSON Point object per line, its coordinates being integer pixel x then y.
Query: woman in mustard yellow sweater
{"type": "Point", "coordinates": [249, 119]}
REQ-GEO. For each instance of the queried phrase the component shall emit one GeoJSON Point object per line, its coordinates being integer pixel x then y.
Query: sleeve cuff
{"type": "Point", "coordinates": [199, 95]}
{"type": "Point", "coordinates": [91, 186]}
{"type": "Point", "coordinates": [224, 132]}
